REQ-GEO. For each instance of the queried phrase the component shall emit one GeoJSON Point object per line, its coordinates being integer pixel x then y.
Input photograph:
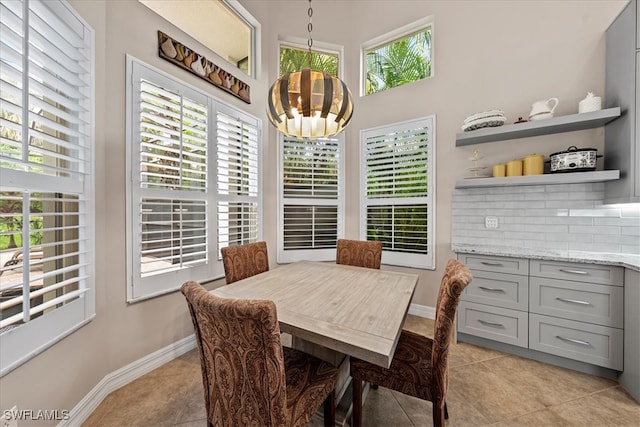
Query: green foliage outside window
{"type": "Point", "coordinates": [293, 59]}
{"type": "Point", "coordinates": [402, 61]}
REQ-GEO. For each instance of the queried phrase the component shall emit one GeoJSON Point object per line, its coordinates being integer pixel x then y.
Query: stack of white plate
{"type": "Point", "coordinates": [489, 118]}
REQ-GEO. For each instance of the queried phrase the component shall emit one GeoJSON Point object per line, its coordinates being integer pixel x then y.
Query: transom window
{"type": "Point", "coordinates": [397, 58]}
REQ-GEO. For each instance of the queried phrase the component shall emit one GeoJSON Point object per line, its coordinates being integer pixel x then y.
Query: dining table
{"type": "Point", "coordinates": [334, 311]}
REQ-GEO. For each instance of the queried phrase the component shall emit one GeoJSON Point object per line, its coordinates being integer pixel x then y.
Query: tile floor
{"type": "Point", "coordinates": [486, 388]}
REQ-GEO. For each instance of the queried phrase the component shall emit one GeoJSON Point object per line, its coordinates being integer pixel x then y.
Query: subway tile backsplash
{"type": "Point", "coordinates": [565, 217]}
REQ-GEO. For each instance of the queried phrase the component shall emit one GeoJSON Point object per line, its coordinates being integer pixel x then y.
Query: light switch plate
{"type": "Point", "coordinates": [491, 222]}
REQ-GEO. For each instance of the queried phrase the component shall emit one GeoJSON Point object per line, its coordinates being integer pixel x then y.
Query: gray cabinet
{"type": "Point", "coordinates": [576, 311]}
{"type": "Point", "coordinates": [495, 304]}
{"type": "Point", "coordinates": [622, 149]}
{"type": "Point", "coordinates": [630, 377]}
{"type": "Point", "coordinates": [566, 309]}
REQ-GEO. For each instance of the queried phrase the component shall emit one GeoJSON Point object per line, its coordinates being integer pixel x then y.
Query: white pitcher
{"type": "Point", "coordinates": [543, 109]}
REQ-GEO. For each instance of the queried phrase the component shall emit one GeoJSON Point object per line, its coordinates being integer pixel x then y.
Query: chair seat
{"type": "Point", "coordinates": [410, 371]}
{"type": "Point", "coordinates": [309, 381]}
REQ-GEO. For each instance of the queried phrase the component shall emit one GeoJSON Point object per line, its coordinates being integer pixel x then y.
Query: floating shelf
{"type": "Point", "coordinates": [546, 179]}
{"type": "Point", "coordinates": [559, 124]}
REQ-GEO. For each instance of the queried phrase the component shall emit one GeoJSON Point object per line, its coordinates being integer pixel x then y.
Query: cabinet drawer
{"type": "Point", "coordinates": [495, 263]}
{"type": "Point", "coordinates": [592, 273]}
{"type": "Point", "coordinates": [494, 323]}
{"type": "Point", "coordinates": [585, 302]}
{"type": "Point", "coordinates": [498, 289]}
{"type": "Point", "coordinates": [598, 345]}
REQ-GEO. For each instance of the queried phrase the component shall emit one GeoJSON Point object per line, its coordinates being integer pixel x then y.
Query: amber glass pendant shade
{"type": "Point", "coordinates": [309, 104]}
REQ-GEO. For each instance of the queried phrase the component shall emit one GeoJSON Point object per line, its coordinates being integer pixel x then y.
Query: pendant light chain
{"type": "Point", "coordinates": [309, 29]}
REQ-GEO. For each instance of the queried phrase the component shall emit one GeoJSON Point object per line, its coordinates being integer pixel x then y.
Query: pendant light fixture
{"type": "Point", "coordinates": [309, 104]}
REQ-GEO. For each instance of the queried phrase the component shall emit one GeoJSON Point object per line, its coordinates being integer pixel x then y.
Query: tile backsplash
{"type": "Point", "coordinates": [560, 216]}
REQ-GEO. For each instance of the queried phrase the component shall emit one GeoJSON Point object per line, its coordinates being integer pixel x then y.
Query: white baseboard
{"type": "Point", "coordinates": [422, 311]}
{"type": "Point", "coordinates": [113, 381]}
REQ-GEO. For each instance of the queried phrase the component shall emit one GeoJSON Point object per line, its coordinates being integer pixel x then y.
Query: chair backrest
{"type": "Point", "coordinates": [244, 261]}
{"type": "Point", "coordinates": [360, 253]}
{"type": "Point", "coordinates": [456, 277]}
{"type": "Point", "coordinates": [241, 357]}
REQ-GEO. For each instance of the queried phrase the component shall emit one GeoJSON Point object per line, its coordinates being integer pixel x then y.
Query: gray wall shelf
{"type": "Point", "coordinates": [569, 123]}
{"type": "Point", "coordinates": [546, 179]}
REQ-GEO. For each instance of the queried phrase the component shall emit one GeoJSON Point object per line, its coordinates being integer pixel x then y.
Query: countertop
{"type": "Point", "coordinates": [624, 260]}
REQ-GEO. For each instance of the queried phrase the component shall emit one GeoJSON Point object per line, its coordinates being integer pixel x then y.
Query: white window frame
{"type": "Point", "coordinates": [21, 343]}
{"type": "Point", "coordinates": [320, 254]}
{"type": "Point", "coordinates": [316, 254]}
{"type": "Point", "coordinates": [414, 260]}
{"type": "Point", "coordinates": [391, 36]}
{"type": "Point", "coordinates": [141, 288]}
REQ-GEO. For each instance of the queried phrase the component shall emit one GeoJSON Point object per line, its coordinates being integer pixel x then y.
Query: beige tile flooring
{"type": "Point", "coordinates": [486, 388]}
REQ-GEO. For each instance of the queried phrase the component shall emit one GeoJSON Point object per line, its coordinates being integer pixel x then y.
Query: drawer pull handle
{"type": "Point", "coordinates": [484, 288]}
{"type": "Point", "coordinates": [495, 325]}
{"type": "Point", "coordinates": [566, 270]}
{"type": "Point", "coordinates": [585, 343]}
{"type": "Point", "coordinates": [492, 263]}
{"type": "Point", "coordinates": [573, 301]}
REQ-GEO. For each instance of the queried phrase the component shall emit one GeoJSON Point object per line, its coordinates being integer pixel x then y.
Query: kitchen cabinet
{"type": "Point", "coordinates": [622, 86]}
{"type": "Point", "coordinates": [630, 377]}
{"type": "Point", "coordinates": [495, 304]}
{"type": "Point", "coordinates": [579, 316]}
{"type": "Point", "coordinates": [564, 312]}
{"type": "Point", "coordinates": [568, 123]}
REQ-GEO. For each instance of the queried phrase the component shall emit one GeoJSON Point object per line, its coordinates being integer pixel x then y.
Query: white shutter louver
{"type": "Point", "coordinates": [194, 183]}
{"type": "Point", "coordinates": [172, 163]}
{"type": "Point", "coordinates": [311, 196]}
{"type": "Point", "coordinates": [46, 183]}
{"type": "Point", "coordinates": [397, 187]}
{"type": "Point", "coordinates": [237, 161]}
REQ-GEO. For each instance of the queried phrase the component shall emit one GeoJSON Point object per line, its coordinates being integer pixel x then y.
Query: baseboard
{"type": "Point", "coordinates": [422, 311]}
{"type": "Point", "coordinates": [113, 381]}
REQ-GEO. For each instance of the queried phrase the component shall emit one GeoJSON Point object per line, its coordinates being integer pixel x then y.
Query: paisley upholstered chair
{"type": "Point", "coordinates": [244, 261]}
{"type": "Point", "coordinates": [249, 378]}
{"type": "Point", "coordinates": [360, 253]}
{"type": "Point", "coordinates": [420, 365]}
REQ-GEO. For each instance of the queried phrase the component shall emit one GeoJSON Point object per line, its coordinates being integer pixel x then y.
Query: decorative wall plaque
{"type": "Point", "coordinates": [186, 58]}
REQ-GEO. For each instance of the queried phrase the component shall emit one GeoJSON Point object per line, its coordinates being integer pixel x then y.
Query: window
{"type": "Point", "coordinates": [295, 58]}
{"type": "Point", "coordinates": [400, 57]}
{"type": "Point", "coordinates": [311, 208]}
{"type": "Point", "coordinates": [46, 182]}
{"type": "Point", "coordinates": [311, 194]}
{"type": "Point", "coordinates": [194, 182]}
{"type": "Point", "coordinates": [397, 187]}
{"type": "Point", "coordinates": [223, 26]}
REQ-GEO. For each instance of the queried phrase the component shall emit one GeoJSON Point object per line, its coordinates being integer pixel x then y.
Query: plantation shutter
{"type": "Point", "coordinates": [237, 184]}
{"type": "Point", "coordinates": [311, 198]}
{"type": "Point", "coordinates": [398, 191]}
{"type": "Point", "coordinates": [171, 185]}
{"type": "Point", "coordinates": [46, 182]}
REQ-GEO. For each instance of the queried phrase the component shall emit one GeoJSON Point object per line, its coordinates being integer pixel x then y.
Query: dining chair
{"type": "Point", "coordinates": [249, 377]}
{"type": "Point", "coordinates": [359, 253]}
{"type": "Point", "coordinates": [242, 261]}
{"type": "Point", "coordinates": [420, 365]}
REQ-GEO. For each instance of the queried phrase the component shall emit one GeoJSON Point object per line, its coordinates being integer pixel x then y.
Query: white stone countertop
{"type": "Point", "coordinates": [624, 260]}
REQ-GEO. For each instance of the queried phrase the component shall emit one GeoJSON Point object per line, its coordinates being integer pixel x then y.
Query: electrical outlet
{"type": "Point", "coordinates": [9, 417]}
{"type": "Point", "coordinates": [491, 222]}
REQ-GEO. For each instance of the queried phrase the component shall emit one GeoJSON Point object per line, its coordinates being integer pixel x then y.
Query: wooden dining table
{"type": "Point", "coordinates": [334, 310]}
